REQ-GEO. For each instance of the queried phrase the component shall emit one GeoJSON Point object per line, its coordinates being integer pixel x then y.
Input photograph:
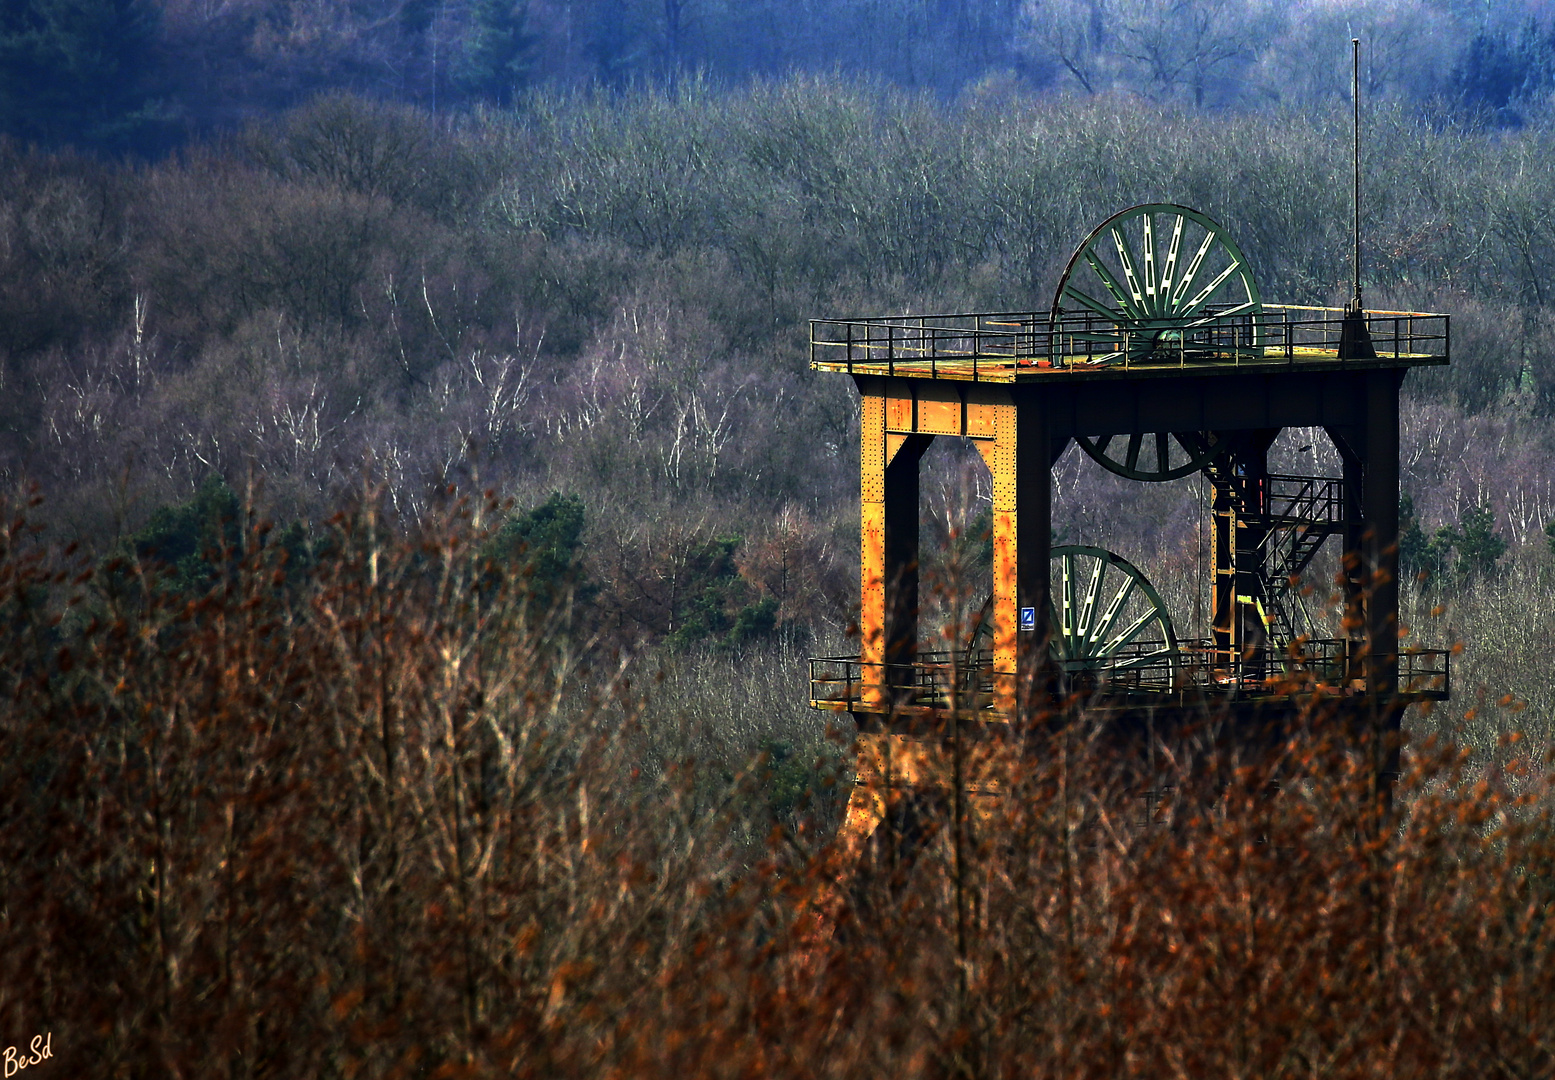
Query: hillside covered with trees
{"type": "Point", "coordinates": [603, 299]}
{"type": "Point", "coordinates": [418, 508]}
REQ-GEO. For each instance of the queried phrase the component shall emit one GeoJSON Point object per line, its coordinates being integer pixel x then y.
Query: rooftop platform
{"type": "Point", "coordinates": [1032, 347]}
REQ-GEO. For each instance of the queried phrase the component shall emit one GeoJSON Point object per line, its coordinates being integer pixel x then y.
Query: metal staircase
{"type": "Point", "coordinates": [1302, 512]}
{"type": "Point", "coordinates": [1281, 523]}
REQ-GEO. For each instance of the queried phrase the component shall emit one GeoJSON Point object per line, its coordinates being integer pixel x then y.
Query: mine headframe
{"type": "Point", "coordinates": [1160, 359]}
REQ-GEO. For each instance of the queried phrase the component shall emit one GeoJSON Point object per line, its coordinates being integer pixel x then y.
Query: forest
{"type": "Point", "coordinates": [146, 76]}
{"type": "Point", "coordinates": [419, 508]}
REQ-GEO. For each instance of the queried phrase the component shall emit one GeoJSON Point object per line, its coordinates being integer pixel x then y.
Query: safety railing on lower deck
{"type": "Point", "coordinates": [967, 680]}
{"type": "Point", "coordinates": [1331, 663]}
{"type": "Point", "coordinates": [935, 680]}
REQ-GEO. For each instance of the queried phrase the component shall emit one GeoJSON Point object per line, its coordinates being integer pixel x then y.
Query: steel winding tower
{"type": "Point", "coordinates": [1160, 359]}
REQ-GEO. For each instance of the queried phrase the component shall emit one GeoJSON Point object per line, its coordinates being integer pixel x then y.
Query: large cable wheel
{"type": "Point", "coordinates": [1107, 616]}
{"type": "Point", "coordinates": [1157, 281]}
{"type": "Point", "coordinates": [1156, 456]}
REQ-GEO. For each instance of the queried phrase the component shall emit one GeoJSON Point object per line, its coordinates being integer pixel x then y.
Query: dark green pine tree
{"type": "Point", "coordinates": [499, 53]}
{"type": "Point", "coordinates": [1478, 543]}
{"type": "Point", "coordinates": [77, 72]}
{"type": "Point", "coordinates": [718, 606]}
{"type": "Point", "coordinates": [544, 547]}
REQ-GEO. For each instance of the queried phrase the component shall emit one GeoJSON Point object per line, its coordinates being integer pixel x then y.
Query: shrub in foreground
{"type": "Point", "coordinates": [391, 821]}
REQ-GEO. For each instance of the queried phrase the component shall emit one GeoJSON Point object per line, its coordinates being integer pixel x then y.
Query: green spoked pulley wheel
{"type": "Point", "coordinates": [1107, 616]}
{"type": "Point", "coordinates": [1157, 282]}
{"type": "Point", "coordinates": [1153, 456]}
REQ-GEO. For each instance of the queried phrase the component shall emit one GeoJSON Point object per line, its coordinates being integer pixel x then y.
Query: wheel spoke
{"type": "Point", "coordinates": [1091, 592]}
{"type": "Point", "coordinates": [1128, 270]}
{"type": "Point", "coordinates": [1209, 320]}
{"type": "Point", "coordinates": [1133, 630]}
{"type": "Point", "coordinates": [1209, 290]}
{"type": "Point", "coordinates": [1163, 453]}
{"type": "Point", "coordinates": [1070, 637]}
{"type": "Point", "coordinates": [1110, 616]}
{"type": "Point", "coordinates": [1164, 292]}
{"type": "Point", "coordinates": [1114, 286]}
{"type": "Point", "coordinates": [1134, 441]}
{"type": "Point", "coordinates": [1150, 295]}
{"type": "Point", "coordinates": [1110, 314]}
{"type": "Point", "coordinates": [1143, 659]}
{"type": "Point", "coordinates": [1186, 282]}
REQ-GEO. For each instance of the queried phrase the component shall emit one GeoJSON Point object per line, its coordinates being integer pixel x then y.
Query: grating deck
{"type": "Point", "coordinates": [1008, 347]}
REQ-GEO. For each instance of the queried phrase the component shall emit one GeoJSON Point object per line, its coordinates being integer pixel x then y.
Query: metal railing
{"type": "Point", "coordinates": [935, 680]}
{"type": "Point", "coordinates": [996, 346]}
{"type": "Point", "coordinates": [1305, 500]}
{"type": "Point", "coordinates": [1300, 513]}
{"type": "Point", "coordinates": [966, 680]}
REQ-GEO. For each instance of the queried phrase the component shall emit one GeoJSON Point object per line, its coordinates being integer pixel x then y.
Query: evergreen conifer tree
{"type": "Point", "coordinates": [500, 50]}
{"type": "Point", "coordinates": [77, 71]}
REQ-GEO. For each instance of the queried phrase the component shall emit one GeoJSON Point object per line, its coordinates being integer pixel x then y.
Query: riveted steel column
{"type": "Point", "coordinates": [1350, 441]}
{"type": "Point", "coordinates": [1224, 623]}
{"type": "Point", "coordinates": [872, 550]}
{"type": "Point", "coordinates": [888, 556]}
{"type": "Point", "coordinates": [1252, 551]}
{"type": "Point", "coordinates": [1352, 567]}
{"type": "Point", "coordinates": [1018, 459]}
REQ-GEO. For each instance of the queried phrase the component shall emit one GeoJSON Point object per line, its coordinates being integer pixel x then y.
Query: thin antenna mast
{"type": "Point", "coordinates": [1354, 335]}
{"type": "Point", "coordinates": [1355, 98]}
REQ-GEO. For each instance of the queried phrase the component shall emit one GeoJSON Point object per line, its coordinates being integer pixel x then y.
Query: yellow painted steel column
{"type": "Point", "coordinates": [872, 603]}
{"type": "Point", "coordinates": [1225, 617]}
{"type": "Point", "coordinates": [1018, 459]}
{"type": "Point", "coordinates": [888, 511]}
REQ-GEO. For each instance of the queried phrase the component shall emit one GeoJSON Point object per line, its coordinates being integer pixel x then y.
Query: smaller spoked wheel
{"type": "Point", "coordinates": [1108, 618]}
{"type": "Point", "coordinates": [1154, 282]}
{"type": "Point", "coordinates": [1154, 456]}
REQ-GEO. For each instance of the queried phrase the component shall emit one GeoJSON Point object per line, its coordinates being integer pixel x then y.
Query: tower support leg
{"type": "Point", "coordinates": [888, 617]}
{"type": "Point", "coordinates": [1380, 537]}
{"type": "Point", "coordinates": [1380, 532]}
{"type": "Point", "coordinates": [1020, 462]}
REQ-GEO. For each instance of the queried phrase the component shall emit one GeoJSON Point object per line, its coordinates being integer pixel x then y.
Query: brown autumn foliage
{"type": "Point", "coordinates": [381, 816]}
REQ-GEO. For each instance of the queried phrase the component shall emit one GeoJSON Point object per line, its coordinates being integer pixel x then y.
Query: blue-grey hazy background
{"type": "Point", "coordinates": [144, 75]}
